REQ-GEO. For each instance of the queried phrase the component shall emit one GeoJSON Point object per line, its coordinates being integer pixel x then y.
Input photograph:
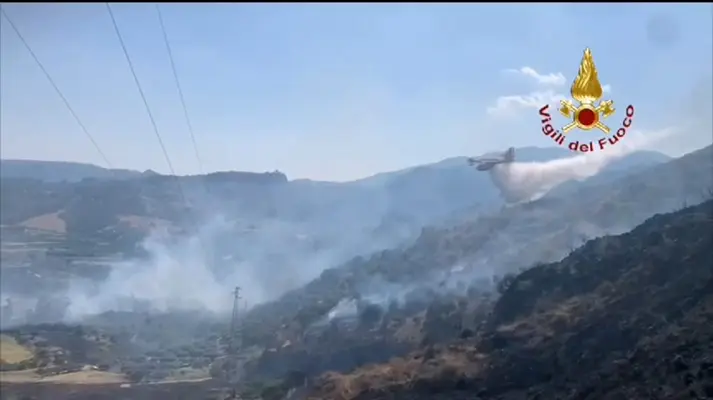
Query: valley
{"type": "Point", "coordinates": [462, 299]}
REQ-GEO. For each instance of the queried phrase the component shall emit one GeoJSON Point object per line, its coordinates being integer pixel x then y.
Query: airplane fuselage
{"type": "Point", "coordinates": [488, 163]}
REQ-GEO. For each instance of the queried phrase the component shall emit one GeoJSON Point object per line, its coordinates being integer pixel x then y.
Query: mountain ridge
{"type": "Point", "coordinates": [517, 237]}
{"type": "Point", "coordinates": [591, 326]}
{"type": "Point", "coordinates": [71, 171]}
{"type": "Point", "coordinates": [428, 303]}
{"type": "Point", "coordinates": [389, 208]}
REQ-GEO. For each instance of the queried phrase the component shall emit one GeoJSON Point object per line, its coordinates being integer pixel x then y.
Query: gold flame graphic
{"type": "Point", "coordinates": [586, 87]}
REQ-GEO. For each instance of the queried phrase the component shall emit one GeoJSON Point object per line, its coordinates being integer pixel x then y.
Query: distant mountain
{"type": "Point", "coordinates": [432, 192]}
{"type": "Point", "coordinates": [525, 154]}
{"type": "Point", "coordinates": [386, 208]}
{"type": "Point", "coordinates": [72, 172]}
{"type": "Point", "coordinates": [296, 228]}
{"type": "Point", "coordinates": [414, 295]}
{"type": "Point", "coordinates": [58, 171]}
{"type": "Point", "coordinates": [631, 164]}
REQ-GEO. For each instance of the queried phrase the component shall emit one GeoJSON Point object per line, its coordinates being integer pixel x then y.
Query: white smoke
{"type": "Point", "coordinates": [528, 181]}
{"type": "Point", "coordinates": [176, 276]}
{"type": "Point", "coordinates": [200, 272]}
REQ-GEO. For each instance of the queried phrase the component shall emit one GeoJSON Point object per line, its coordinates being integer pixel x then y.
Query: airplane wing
{"type": "Point", "coordinates": [480, 160]}
{"type": "Point", "coordinates": [486, 159]}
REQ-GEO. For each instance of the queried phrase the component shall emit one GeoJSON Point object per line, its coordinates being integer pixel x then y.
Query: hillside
{"type": "Point", "coordinates": [88, 202]}
{"type": "Point", "coordinates": [420, 297]}
{"type": "Point", "coordinates": [466, 258]}
{"type": "Point", "coordinates": [297, 228]}
{"type": "Point", "coordinates": [59, 171]}
{"type": "Point", "coordinates": [417, 195]}
{"type": "Point", "coordinates": [625, 316]}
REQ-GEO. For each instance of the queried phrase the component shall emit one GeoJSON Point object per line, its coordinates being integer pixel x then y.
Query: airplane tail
{"type": "Point", "coordinates": [509, 155]}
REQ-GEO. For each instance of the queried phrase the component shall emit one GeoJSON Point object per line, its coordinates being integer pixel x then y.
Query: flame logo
{"type": "Point", "coordinates": [586, 88]}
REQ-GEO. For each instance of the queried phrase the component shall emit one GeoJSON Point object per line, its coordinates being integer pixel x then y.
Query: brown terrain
{"type": "Point", "coordinates": [621, 317]}
{"type": "Point", "coordinates": [624, 317]}
{"type": "Point", "coordinates": [51, 222]}
{"type": "Point", "coordinates": [111, 391]}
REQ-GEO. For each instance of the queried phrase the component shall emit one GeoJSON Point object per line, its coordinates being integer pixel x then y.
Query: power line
{"type": "Point", "coordinates": [56, 88]}
{"type": "Point", "coordinates": [154, 125]}
{"type": "Point", "coordinates": [178, 86]}
{"type": "Point", "coordinates": [141, 92]}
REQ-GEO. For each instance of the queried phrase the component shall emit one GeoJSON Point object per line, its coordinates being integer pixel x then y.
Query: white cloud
{"type": "Point", "coordinates": [510, 105]}
{"type": "Point", "coordinates": [551, 79]}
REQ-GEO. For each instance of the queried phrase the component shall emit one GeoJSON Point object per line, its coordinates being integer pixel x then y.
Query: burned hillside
{"type": "Point", "coordinates": [625, 316]}
{"type": "Point", "coordinates": [431, 298]}
{"type": "Point", "coordinates": [476, 252]}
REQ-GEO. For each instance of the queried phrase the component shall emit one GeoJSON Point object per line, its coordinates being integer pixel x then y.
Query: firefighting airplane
{"type": "Point", "coordinates": [485, 163]}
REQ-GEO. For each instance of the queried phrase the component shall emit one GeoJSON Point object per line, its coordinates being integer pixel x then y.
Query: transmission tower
{"type": "Point", "coordinates": [235, 343]}
{"type": "Point", "coordinates": [235, 340]}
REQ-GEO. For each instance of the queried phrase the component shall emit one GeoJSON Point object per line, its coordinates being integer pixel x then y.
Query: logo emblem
{"type": "Point", "coordinates": [589, 113]}
{"type": "Point", "coordinates": [587, 90]}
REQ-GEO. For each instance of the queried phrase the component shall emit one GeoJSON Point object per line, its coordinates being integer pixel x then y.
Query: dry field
{"type": "Point", "coordinates": [202, 390]}
{"type": "Point", "coordinates": [11, 352]}
{"type": "Point", "coordinates": [47, 222]}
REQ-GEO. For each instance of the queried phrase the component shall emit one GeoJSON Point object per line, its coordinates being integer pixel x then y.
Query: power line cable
{"type": "Point", "coordinates": [56, 88]}
{"type": "Point", "coordinates": [180, 90]}
{"type": "Point", "coordinates": [235, 336]}
{"type": "Point", "coordinates": [141, 93]}
{"type": "Point", "coordinates": [153, 124]}
{"type": "Point", "coordinates": [195, 147]}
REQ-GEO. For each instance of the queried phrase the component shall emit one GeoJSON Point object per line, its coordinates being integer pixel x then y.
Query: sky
{"type": "Point", "coordinates": [339, 91]}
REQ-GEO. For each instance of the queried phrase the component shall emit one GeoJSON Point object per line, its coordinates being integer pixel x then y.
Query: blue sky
{"type": "Point", "coordinates": [339, 92]}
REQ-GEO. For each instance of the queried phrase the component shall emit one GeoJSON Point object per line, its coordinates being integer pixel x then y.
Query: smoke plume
{"type": "Point", "coordinates": [528, 181]}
